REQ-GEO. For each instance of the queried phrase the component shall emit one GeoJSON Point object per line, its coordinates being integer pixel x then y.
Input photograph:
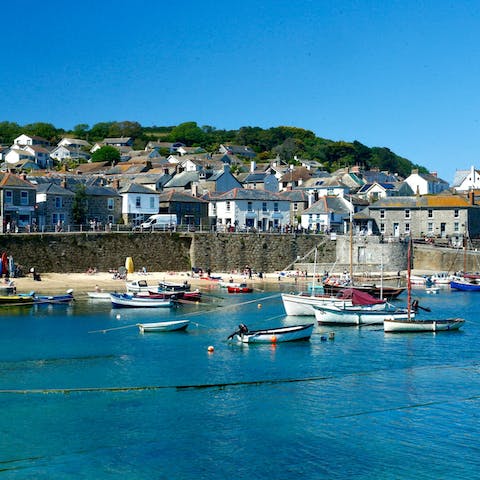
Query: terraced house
{"type": "Point", "coordinates": [435, 216]}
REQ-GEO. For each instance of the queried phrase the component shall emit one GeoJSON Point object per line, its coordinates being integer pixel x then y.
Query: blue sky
{"type": "Point", "coordinates": [397, 74]}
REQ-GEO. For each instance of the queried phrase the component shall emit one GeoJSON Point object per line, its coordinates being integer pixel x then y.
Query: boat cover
{"type": "Point", "coordinates": [358, 297]}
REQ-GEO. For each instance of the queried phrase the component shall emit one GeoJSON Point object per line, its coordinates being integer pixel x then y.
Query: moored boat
{"type": "Point", "coordinates": [173, 287]}
{"type": "Point", "coordinates": [386, 291]}
{"type": "Point", "coordinates": [171, 326]}
{"type": "Point", "coordinates": [272, 335]}
{"type": "Point", "coordinates": [357, 315]}
{"type": "Point", "coordinates": [18, 299]}
{"type": "Point", "coordinates": [465, 285]}
{"type": "Point", "coordinates": [241, 288]}
{"type": "Point", "coordinates": [127, 300]}
{"type": "Point", "coordinates": [137, 286]}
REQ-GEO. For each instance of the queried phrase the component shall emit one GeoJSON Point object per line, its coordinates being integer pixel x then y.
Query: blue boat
{"type": "Point", "coordinates": [466, 286]}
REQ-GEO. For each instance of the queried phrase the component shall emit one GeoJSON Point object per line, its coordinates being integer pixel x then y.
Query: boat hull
{"type": "Point", "coordinates": [122, 300]}
{"type": "Point", "coordinates": [386, 292]}
{"type": "Point", "coordinates": [356, 316]}
{"type": "Point", "coordinates": [465, 286]}
{"type": "Point", "coordinates": [399, 326]}
{"type": "Point", "coordinates": [277, 335]}
{"type": "Point", "coordinates": [298, 305]}
{"type": "Point", "coordinates": [173, 326]}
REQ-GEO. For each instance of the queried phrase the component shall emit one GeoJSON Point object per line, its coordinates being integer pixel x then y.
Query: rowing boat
{"type": "Point", "coordinates": [273, 335]}
{"type": "Point", "coordinates": [174, 325]}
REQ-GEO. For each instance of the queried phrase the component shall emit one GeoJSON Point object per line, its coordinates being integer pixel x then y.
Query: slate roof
{"type": "Point", "coordinates": [328, 204]}
{"type": "Point", "coordinates": [11, 180]}
{"type": "Point", "coordinates": [54, 189]}
{"type": "Point", "coordinates": [174, 196]}
{"type": "Point", "coordinates": [182, 179]}
{"type": "Point", "coordinates": [137, 188]}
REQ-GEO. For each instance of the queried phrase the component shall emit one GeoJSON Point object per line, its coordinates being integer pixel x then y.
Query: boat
{"type": "Point", "coordinates": [173, 287]}
{"type": "Point", "coordinates": [171, 326]}
{"type": "Point", "coordinates": [18, 299]}
{"type": "Point", "coordinates": [99, 295]}
{"type": "Point", "coordinates": [441, 278]}
{"type": "Point", "coordinates": [54, 299]}
{"type": "Point", "coordinates": [137, 286]}
{"type": "Point", "coordinates": [465, 285]}
{"type": "Point", "coordinates": [357, 315]}
{"type": "Point", "coordinates": [412, 325]}
{"type": "Point", "coordinates": [303, 303]}
{"type": "Point", "coordinates": [241, 288]}
{"type": "Point", "coordinates": [272, 335]}
{"type": "Point", "coordinates": [194, 296]}
{"type": "Point", "coordinates": [385, 291]}
{"type": "Point", "coordinates": [128, 300]}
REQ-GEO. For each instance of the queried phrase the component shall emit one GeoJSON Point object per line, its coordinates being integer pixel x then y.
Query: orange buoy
{"type": "Point", "coordinates": [274, 339]}
{"type": "Point", "coordinates": [210, 349]}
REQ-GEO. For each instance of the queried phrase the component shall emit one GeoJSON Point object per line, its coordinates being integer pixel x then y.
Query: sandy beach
{"type": "Point", "coordinates": [81, 283]}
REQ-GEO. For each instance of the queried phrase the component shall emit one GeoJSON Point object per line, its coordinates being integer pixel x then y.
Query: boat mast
{"type": "Point", "coordinates": [314, 272]}
{"type": "Point", "coordinates": [409, 272]}
{"type": "Point", "coordinates": [351, 247]}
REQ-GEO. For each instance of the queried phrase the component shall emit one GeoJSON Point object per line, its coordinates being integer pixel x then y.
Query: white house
{"type": "Point", "coordinates": [138, 203]}
{"type": "Point", "coordinates": [426, 183]}
{"type": "Point", "coordinates": [466, 180]}
{"type": "Point", "coordinates": [16, 155]}
{"type": "Point", "coordinates": [31, 140]}
{"type": "Point", "coordinates": [243, 209]}
{"type": "Point", "coordinates": [63, 152]}
{"type": "Point", "coordinates": [41, 155]}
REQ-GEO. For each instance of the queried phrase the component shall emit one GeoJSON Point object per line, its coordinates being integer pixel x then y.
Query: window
{"type": "Point", "coordinates": [407, 229]}
{"type": "Point", "coordinates": [407, 213]}
{"type": "Point", "coordinates": [138, 202]}
{"type": "Point", "coordinates": [382, 213]}
{"type": "Point", "coordinates": [249, 207]}
{"type": "Point", "coordinates": [152, 202]}
{"type": "Point", "coordinates": [110, 204]}
{"type": "Point", "coordinates": [456, 227]}
{"type": "Point", "coordinates": [264, 206]}
{"type": "Point", "coordinates": [23, 197]}
{"type": "Point", "coordinates": [8, 196]}
{"type": "Point", "coordinates": [110, 219]}
{"type": "Point", "coordinates": [228, 206]}
{"type": "Point", "coordinates": [430, 227]}
{"type": "Point", "coordinates": [382, 228]}
{"type": "Point", "coordinates": [295, 207]}
{"type": "Point", "coordinates": [430, 213]}
{"type": "Point", "coordinates": [58, 202]}
{"type": "Point", "coordinates": [456, 213]}
{"type": "Point", "coordinates": [275, 206]}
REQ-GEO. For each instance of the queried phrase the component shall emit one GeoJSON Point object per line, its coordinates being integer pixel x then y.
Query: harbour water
{"type": "Point", "coordinates": [80, 400]}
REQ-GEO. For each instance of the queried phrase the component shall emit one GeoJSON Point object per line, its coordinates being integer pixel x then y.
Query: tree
{"type": "Point", "coordinates": [81, 131]}
{"type": "Point", "coordinates": [188, 133]}
{"type": "Point", "coordinates": [79, 205]}
{"type": "Point", "coordinates": [107, 153]}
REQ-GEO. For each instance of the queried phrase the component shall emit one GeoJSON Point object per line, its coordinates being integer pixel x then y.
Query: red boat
{"type": "Point", "coordinates": [241, 288]}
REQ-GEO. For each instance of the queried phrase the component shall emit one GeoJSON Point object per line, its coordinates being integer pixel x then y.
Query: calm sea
{"type": "Point", "coordinates": [82, 401]}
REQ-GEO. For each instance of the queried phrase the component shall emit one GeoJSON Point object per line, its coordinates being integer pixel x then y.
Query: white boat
{"type": "Point", "coordinates": [99, 295]}
{"type": "Point", "coordinates": [138, 286]}
{"type": "Point", "coordinates": [174, 325]}
{"type": "Point", "coordinates": [442, 278]}
{"type": "Point", "coordinates": [357, 315]}
{"type": "Point", "coordinates": [127, 300]}
{"type": "Point", "coordinates": [273, 335]}
{"type": "Point", "coordinates": [392, 325]}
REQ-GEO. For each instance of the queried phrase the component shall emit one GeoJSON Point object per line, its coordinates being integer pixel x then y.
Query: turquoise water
{"type": "Point", "coordinates": [82, 401]}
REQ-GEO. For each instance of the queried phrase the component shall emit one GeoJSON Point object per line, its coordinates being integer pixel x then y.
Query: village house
{"type": "Point", "coordinates": [247, 209]}
{"type": "Point", "coordinates": [426, 183]}
{"type": "Point", "coordinates": [17, 202]}
{"type": "Point", "coordinates": [327, 215]}
{"type": "Point", "coordinates": [466, 180]}
{"type": "Point", "coordinates": [434, 216]}
{"type": "Point", "coordinates": [24, 140]}
{"type": "Point", "coordinates": [191, 211]}
{"type": "Point", "coordinates": [138, 203]}
{"type": "Point", "coordinates": [54, 206]}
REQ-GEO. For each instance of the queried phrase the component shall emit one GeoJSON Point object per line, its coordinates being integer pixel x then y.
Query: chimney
{"type": "Point", "coordinates": [415, 171]}
{"type": "Point", "coordinates": [64, 183]}
{"type": "Point", "coordinates": [253, 166]}
{"type": "Point", "coordinates": [116, 184]}
{"type": "Point", "coordinates": [434, 174]}
{"type": "Point", "coordinates": [471, 197]}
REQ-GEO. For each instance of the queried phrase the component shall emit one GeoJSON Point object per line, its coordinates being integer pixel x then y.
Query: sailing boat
{"type": "Point", "coordinates": [334, 286]}
{"type": "Point", "coordinates": [393, 325]}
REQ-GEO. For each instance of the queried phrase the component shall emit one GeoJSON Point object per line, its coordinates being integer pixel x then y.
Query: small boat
{"type": "Point", "coordinates": [137, 286]}
{"type": "Point", "coordinates": [99, 295]}
{"type": "Point", "coordinates": [19, 299]}
{"type": "Point", "coordinates": [357, 315]}
{"type": "Point", "coordinates": [273, 335]}
{"type": "Point", "coordinates": [387, 292]}
{"type": "Point", "coordinates": [241, 288]}
{"type": "Point", "coordinates": [54, 299]}
{"type": "Point", "coordinates": [127, 300]}
{"type": "Point", "coordinates": [172, 326]}
{"type": "Point", "coordinates": [469, 286]}
{"type": "Point", "coordinates": [194, 296]}
{"type": "Point", "coordinates": [173, 287]}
